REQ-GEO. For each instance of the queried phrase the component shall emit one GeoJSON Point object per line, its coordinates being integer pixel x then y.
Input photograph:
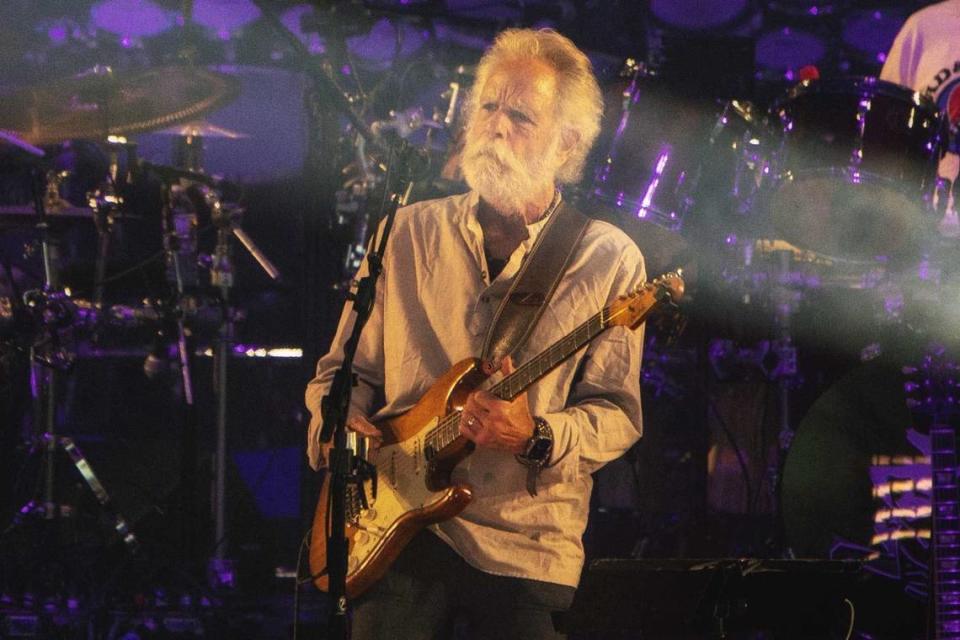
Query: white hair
{"type": "Point", "coordinates": [579, 101]}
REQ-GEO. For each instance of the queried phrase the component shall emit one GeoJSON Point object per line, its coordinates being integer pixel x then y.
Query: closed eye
{"type": "Point", "coordinates": [519, 116]}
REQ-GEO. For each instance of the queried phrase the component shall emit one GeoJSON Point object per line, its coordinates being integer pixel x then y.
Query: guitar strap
{"type": "Point", "coordinates": [533, 286]}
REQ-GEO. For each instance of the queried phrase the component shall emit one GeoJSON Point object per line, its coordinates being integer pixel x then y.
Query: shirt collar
{"type": "Point", "coordinates": [533, 229]}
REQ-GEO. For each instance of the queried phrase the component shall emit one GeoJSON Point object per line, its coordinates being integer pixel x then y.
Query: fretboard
{"type": "Point", "coordinates": [946, 533]}
{"type": "Point", "coordinates": [447, 429]}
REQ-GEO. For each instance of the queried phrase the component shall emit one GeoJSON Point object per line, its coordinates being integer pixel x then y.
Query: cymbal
{"type": "Point", "coordinates": [102, 102]}
{"type": "Point", "coordinates": [201, 129]}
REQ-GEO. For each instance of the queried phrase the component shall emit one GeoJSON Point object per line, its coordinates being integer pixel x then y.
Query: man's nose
{"type": "Point", "coordinates": [499, 124]}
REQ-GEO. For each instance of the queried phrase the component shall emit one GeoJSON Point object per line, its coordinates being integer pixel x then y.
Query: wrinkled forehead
{"type": "Point", "coordinates": [529, 82]}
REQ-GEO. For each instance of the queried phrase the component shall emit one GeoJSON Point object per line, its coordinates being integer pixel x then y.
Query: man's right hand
{"type": "Point", "coordinates": [360, 425]}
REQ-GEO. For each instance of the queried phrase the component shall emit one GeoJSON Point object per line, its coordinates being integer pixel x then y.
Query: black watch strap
{"type": "Point", "coordinates": [537, 453]}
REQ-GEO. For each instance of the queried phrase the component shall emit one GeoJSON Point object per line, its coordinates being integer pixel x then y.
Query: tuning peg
{"type": "Point", "coordinates": [911, 387]}
{"type": "Point", "coordinates": [909, 370]}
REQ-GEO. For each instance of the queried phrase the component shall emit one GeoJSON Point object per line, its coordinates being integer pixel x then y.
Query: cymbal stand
{"type": "Point", "coordinates": [173, 316]}
{"type": "Point", "coordinates": [785, 300]}
{"type": "Point", "coordinates": [53, 311]}
{"type": "Point", "coordinates": [105, 201]}
{"type": "Point", "coordinates": [227, 219]}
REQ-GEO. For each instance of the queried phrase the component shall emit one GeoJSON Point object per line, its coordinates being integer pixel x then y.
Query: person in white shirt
{"type": "Point", "coordinates": [510, 558]}
{"type": "Point", "coordinates": [925, 57]}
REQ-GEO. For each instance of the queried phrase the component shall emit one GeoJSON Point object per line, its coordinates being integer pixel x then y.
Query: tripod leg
{"type": "Point", "coordinates": [86, 471]}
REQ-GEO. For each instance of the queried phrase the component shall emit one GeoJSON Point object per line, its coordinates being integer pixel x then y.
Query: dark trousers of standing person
{"type": "Point", "coordinates": [430, 587]}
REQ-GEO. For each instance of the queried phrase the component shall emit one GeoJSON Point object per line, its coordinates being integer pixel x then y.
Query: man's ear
{"type": "Point", "coordinates": [569, 139]}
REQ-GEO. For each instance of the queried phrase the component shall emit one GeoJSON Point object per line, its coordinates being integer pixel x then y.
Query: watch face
{"type": "Point", "coordinates": [538, 449]}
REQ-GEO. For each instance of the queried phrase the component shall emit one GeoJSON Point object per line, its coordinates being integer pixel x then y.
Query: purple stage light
{"type": "Point", "coordinates": [131, 19]}
{"type": "Point", "coordinates": [224, 17]}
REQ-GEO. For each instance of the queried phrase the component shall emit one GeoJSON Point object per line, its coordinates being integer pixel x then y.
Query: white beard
{"type": "Point", "coordinates": [501, 178]}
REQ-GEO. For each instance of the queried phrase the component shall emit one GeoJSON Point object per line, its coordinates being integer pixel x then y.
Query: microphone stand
{"type": "Point", "coordinates": [345, 468]}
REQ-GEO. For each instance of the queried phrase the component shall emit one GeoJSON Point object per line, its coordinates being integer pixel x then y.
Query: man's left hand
{"type": "Point", "coordinates": [490, 422]}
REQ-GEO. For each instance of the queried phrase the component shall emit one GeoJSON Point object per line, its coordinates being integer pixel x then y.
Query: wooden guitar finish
{"type": "Point", "coordinates": [422, 446]}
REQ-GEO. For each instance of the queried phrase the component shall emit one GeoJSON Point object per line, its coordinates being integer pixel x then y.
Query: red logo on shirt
{"type": "Point", "coordinates": [949, 102]}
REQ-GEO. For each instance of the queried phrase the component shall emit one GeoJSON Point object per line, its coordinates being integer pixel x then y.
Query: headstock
{"type": "Point", "coordinates": [632, 309]}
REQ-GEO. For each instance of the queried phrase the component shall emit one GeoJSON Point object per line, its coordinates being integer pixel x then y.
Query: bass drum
{"type": "Point", "coordinates": [857, 169]}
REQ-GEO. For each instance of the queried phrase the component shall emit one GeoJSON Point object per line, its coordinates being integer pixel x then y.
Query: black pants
{"type": "Point", "coordinates": [429, 587]}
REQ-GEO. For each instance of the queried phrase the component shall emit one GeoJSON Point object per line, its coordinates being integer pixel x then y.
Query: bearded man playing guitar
{"type": "Point", "coordinates": [514, 554]}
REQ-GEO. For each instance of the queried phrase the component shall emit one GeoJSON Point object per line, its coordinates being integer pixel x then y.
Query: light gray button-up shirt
{"type": "Point", "coordinates": [434, 304]}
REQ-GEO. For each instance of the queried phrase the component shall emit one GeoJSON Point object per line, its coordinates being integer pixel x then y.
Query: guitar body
{"type": "Point", "coordinates": [422, 446]}
{"type": "Point", "coordinates": [412, 492]}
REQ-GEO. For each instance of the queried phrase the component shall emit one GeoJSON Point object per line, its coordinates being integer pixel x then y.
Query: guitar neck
{"type": "Point", "coordinates": [518, 381]}
{"type": "Point", "coordinates": [447, 430]}
{"type": "Point", "coordinates": [946, 533]}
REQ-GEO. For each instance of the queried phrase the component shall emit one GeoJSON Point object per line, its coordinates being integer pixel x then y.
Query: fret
{"type": "Point", "coordinates": [947, 511]}
{"type": "Point", "coordinates": [945, 478]}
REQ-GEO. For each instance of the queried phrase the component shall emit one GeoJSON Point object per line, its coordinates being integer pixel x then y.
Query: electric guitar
{"type": "Point", "coordinates": [421, 447]}
{"type": "Point", "coordinates": [933, 392]}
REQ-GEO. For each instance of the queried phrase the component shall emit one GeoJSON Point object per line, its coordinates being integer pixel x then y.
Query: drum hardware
{"type": "Point", "coordinates": [51, 355]}
{"type": "Point", "coordinates": [227, 220]}
{"type": "Point", "coordinates": [773, 359]}
{"type": "Point", "coordinates": [741, 130]}
{"type": "Point", "coordinates": [188, 141]}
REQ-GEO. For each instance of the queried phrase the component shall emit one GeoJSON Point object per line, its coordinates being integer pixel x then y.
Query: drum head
{"type": "Point", "coordinates": [836, 215]}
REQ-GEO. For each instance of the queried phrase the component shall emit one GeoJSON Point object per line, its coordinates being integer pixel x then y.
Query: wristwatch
{"type": "Point", "coordinates": [537, 452]}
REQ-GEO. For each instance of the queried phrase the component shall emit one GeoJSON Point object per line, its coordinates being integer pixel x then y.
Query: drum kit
{"type": "Point", "coordinates": [49, 134]}
{"type": "Point", "coordinates": [829, 194]}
